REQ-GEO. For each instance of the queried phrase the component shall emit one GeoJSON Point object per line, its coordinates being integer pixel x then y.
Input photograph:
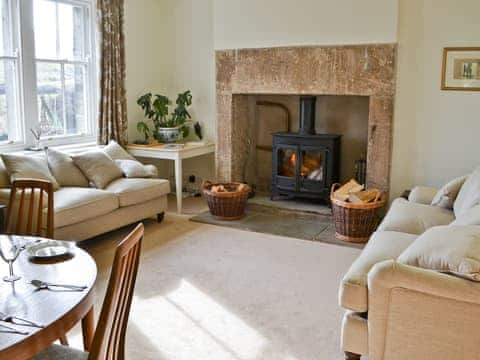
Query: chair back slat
{"type": "Point", "coordinates": [22, 219]}
{"type": "Point", "coordinates": [18, 224]}
{"type": "Point", "coordinates": [40, 214]}
{"type": "Point", "coordinates": [109, 339]}
{"type": "Point", "coordinates": [30, 219]}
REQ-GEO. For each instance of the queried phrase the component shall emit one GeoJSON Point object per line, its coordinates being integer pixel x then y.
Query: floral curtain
{"type": "Point", "coordinates": [113, 105]}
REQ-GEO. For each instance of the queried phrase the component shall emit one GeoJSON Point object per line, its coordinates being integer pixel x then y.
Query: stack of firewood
{"type": "Point", "coordinates": [356, 193]}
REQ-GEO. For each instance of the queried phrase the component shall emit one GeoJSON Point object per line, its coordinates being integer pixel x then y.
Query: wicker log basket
{"type": "Point", "coordinates": [229, 204]}
{"type": "Point", "coordinates": [355, 222]}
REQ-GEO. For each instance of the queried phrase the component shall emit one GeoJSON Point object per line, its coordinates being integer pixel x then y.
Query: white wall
{"type": "Point", "coordinates": [194, 64]}
{"type": "Point", "coordinates": [437, 131]}
{"type": "Point", "coordinates": [145, 37]}
{"type": "Point", "coordinates": [270, 23]}
{"type": "Point", "coordinates": [169, 49]}
{"type": "Point", "coordinates": [408, 91]}
{"type": "Point", "coordinates": [194, 68]}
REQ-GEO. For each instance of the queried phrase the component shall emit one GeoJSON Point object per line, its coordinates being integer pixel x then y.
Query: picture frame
{"type": "Point", "coordinates": [461, 69]}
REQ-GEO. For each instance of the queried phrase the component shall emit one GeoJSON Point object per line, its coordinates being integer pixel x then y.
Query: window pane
{"type": "Point", "coordinates": [8, 100]}
{"type": "Point", "coordinates": [45, 27]}
{"type": "Point", "coordinates": [4, 18]}
{"type": "Point", "coordinates": [75, 102]}
{"type": "Point", "coordinates": [59, 30]}
{"type": "Point", "coordinates": [6, 35]}
{"type": "Point", "coordinates": [71, 24]}
{"type": "Point", "coordinates": [50, 99]}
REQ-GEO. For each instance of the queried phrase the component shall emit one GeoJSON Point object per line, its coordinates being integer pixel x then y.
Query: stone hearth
{"type": "Point", "coordinates": [367, 70]}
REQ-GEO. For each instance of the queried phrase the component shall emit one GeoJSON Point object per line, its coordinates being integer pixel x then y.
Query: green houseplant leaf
{"type": "Point", "coordinates": [181, 114]}
{"type": "Point", "coordinates": [143, 128]}
{"type": "Point", "coordinates": [160, 107]}
{"type": "Point", "coordinates": [145, 102]}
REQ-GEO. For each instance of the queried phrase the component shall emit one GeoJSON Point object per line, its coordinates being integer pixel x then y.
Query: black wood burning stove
{"type": "Point", "coordinates": [305, 164]}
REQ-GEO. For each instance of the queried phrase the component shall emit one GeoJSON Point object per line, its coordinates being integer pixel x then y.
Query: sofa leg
{"type": "Point", "coordinates": [351, 356]}
{"type": "Point", "coordinates": [160, 217]}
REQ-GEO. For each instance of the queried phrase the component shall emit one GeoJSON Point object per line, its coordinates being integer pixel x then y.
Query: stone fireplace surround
{"type": "Point", "coordinates": [362, 70]}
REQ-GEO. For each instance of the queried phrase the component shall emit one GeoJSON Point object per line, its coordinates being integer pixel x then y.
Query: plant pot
{"type": "Point", "coordinates": [168, 135]}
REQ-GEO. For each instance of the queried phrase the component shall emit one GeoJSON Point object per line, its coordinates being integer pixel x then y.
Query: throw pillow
{"type": "Point", "coordinates": [28, 167]}
{"type": "Point", "coordinates": [98, 167]}
{"type": "Point", "coordinates": [446, 196]}
{"type": "Point", "coordinates": [116, 152]}
{"type": "Point", "coordinates": [62, 167]}
{"type": "Point", "coordinates": [135, 169]}
{"type": "Point", "coordinates": [469, 194]}
{"type": "Point", "coordinates": [451, 249]}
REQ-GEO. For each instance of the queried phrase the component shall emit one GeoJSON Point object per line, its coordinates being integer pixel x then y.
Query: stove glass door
{"type": "Point", "coordinates": [312, 169]}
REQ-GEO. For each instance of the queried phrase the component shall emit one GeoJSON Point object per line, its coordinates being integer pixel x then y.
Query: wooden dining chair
{"type": "Point", "coordinates": [30, 212]}
{"type": "Point", "coordinates": [109, 339]}
{"type": "Point", "coordinates": [30, 208]}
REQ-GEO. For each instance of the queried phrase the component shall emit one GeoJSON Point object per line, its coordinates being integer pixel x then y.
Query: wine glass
{"type": "Point", "coordinates": [9, 251]}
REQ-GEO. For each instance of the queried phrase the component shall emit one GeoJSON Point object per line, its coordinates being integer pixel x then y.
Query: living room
{"type": "Point", "coordinates": [290, 180]}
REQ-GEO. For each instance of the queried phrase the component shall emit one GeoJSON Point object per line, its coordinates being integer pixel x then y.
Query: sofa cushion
{"type": "Point", "coordinates": [135, 191]}
{"type": "Point", "coordinates": [413, 218]}
{"type": "Point", "coordinates": [74, 204]}
{"type": "Point", "coordinates": [135, 169]}
{"type": "Point", "coordinates": [470, 217]}
{"type": "Point", "coordinates": [469, 194]}
{"type": "Point", "coordinates": [98, 167]}
{"type": "Point", "coordinates": [116, 152]}
{"type": "Point", "coordinates": [446, 196]}
{"type": "Point", "coordinates": [383, 245]}
{"type": "Point", "coordinates": [65, 171]}
{"type": "Point", "coordinates": [453, 249]}
{"type": "Point", "coordinates": [28, 167]}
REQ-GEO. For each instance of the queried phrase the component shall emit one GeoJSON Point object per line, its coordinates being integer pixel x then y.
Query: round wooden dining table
{"type": "Point", "coordinates": [56, 309]}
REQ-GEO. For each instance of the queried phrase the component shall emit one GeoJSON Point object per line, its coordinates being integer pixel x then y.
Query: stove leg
{"type": "Point", "coordinates": [160, 217]}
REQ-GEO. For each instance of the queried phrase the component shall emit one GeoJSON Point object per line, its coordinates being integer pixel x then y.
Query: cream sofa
{"type": "Point", "coordinates": [85, 212]}
{"type": "Point", "coordinates": [395, 311]}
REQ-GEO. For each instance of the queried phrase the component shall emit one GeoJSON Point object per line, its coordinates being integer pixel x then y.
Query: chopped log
{"type": "Point", "coordinates": [363, 197]}
{"type": "Point", "coordinates": [344, 191]}
{"type": "Point", "coordinates": [241, 187]}
{"type": "Point", "coordinates": [218, 188]}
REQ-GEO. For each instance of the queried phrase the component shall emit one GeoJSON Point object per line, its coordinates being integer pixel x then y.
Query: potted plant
{"type": "Point", "coordinates": [167, 127]}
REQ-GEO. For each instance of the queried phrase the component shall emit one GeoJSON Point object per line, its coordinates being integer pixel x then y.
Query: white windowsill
{"type": "Point", "coordinates": [19, 149]}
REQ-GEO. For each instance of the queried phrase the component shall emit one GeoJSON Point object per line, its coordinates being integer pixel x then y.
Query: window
{"type": "Point", "coordinates": [47, 71]}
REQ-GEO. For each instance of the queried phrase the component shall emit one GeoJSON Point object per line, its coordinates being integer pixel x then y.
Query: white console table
{"type": "Point", "coordinates": [177, 155]}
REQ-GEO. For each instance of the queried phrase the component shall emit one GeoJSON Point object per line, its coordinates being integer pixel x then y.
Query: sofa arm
{"type": "Point", "coordinates": [421, 314]}
{"type": "Point", "coordinates": [422, 195]}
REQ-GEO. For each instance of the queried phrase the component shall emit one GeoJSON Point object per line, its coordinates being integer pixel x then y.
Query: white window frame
{"type": "Point", "coordinates": [28, 101]}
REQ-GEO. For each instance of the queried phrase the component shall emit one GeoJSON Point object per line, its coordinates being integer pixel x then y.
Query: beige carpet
{"type": "Point", "coordinates": [208, 292]}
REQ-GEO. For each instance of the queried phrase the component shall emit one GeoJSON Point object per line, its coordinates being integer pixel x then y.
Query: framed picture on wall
{"type": "Point", "coordinates": [461, 68]}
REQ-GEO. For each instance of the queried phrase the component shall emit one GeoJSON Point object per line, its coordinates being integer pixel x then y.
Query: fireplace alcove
{"type": "Point", "coordinates": [346, 116]}
{"type": "Point", "coordinates": [365, 71]}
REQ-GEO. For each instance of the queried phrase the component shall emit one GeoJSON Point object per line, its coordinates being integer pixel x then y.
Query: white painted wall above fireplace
{"type": "Point", "coordinates": [273, 23]}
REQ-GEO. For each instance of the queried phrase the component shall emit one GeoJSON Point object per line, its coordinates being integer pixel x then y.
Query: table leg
{"type": "Point", "coordinates": [88, 329]}
{"type": "Point", "coordinates": [179, 184]}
